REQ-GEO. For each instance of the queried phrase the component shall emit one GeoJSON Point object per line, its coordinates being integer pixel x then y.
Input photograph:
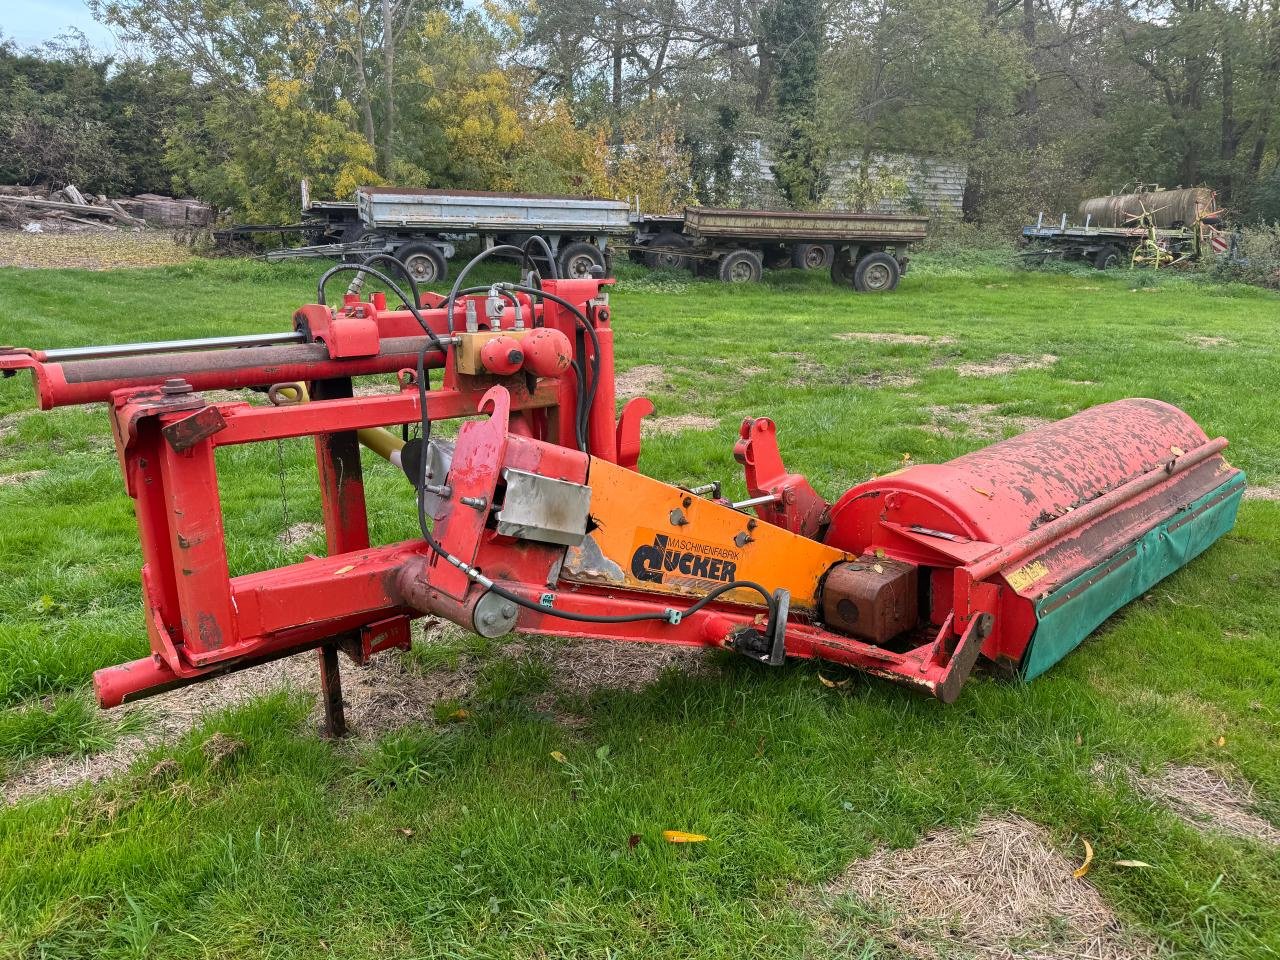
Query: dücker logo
{"type": "Point", "coordinates": [688, 558]}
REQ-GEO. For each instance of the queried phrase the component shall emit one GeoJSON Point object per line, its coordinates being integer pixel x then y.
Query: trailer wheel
{"type": "Point", "coordinates": [876, 273]}
{"type": "Point", "coordinates": [577, 259]}
{"type": "Point", "coordinates": [667, 257]}
{"type": "Point", "coordinates": [740, 266]}
{"type": "Point", "coordinates": [1108, 258]}
{"type": "Point", "coordinates": [812, 256]}
{"type": "Point", "coordinates": [424, 261]}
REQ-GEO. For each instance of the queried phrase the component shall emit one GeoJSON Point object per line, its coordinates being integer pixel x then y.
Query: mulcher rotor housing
{"type": "Point", "coordinates": [538, 521]}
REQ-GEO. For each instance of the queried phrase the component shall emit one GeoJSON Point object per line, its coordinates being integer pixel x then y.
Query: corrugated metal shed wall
{"type": "Point", "coordinates": [932, 185]}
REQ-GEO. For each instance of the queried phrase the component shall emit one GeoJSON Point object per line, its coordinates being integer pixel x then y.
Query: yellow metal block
{"type": "Point", "coordinates": [652, 536]}
{"type": "Point", "coordinates": [467, 356]}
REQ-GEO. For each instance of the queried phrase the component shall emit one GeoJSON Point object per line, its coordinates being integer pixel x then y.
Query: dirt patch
{"type": "Point", "coordinates": [640, 380]}
{"type": "Point", "coordinates": [1208, 343]}
{"type": "Point", "coordinates": [9, 423]}
{"type": "Point", "coordinates": [981, 420]}
{"type": "Point", "coordinates": [20, 479]}
{"type": "Point", "coordinates": [657, 426]}
{"type": "Point", "coordinates": [1262, 493]}
{"type": "Point", "coordinates": [581, 666]}
{"type": "Point", "coordinates": [1006, 364]}
{"type": "Point", "coordinates": [1000, 890]}
{"type": "Point", "coordinates": [909, 339]}
{"type": "Point", "coordinates": [90, 251]}
{"type": "Point", "coordinates": [381, 696]}
{"type": "Point", "coordinates": [578, 668]}
{"type": "Point", "coordinates": [880, 380]}
{"type": "Point", "coordinates": [1208, 801]}
{"type": "Point", "coordinates": [300, 532]}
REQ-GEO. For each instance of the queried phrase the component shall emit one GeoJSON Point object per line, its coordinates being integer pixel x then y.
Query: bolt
{"type": "Point", "coordinates": [175, 387]}
{"type": "Point", "coordinates": [509, 610]}
{"type": "Point", "coordinates": [489, 619]}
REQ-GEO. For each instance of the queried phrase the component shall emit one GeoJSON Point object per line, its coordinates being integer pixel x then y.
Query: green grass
{"type": "Point", "coordinates": [468, 839]}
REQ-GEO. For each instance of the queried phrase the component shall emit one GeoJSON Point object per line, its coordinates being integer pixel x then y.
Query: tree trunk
{"type": "Point", "coordinates": [1031, 93]}
{"type": "Point", "coordinates": [388, 80]}
{"type": "Point", "coordinates": [1230, 139]}
{"type": "Point", "coordinates": [615, 94]}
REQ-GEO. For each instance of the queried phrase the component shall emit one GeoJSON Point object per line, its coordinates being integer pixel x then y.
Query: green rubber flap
{"type": "Point", "coordinates": [1069, 614]}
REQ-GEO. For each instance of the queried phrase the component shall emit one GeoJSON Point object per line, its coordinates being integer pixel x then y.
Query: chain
{"type": "Point", "coordinates": [284, 496]}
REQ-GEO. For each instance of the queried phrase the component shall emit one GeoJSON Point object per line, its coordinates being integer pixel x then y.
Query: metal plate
{"type": "Point", "coordinates": [543, 509]}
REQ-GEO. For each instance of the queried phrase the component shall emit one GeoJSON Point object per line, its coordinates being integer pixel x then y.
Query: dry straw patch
{"type": "Point", "coordinates": [1208, 343]}
{"type": "Point", "coordinates": [1209, 801]}
{"type": "Point", "coordinates": [90, 251]}
{"type": "Point", "coordinates": [982, 420]}
{"type": "Point", "coordinates": [583, 666]}
{"type": "Point", "coordinates": [20, 479]}
{"type": "Point", "coordinates": [657, 426]}
{"type": "Point", "coordinates": [1006, 364]}
{"type": "Point", "coordinates": [1262, 493]}
{"type": "Point", "coordinates": [381, 696]}
{"type": "Point", "coordinates": [639, 380]}
{"type": "Point", "coordinates": [300, 532]}
{"type": "Point", "coordinates": [908, 339]}
{"type": "Point", "coordinates": [999, 890]}
{"type": "Point", "coordinates": [881, 380]}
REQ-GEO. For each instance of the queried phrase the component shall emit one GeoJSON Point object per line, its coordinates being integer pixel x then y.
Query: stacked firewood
{"type": "Point", "coordinates": [34, 209]}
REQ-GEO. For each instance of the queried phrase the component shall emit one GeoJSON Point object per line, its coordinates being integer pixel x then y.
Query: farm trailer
{"type": "Point", "coordinates": [422, 227]}
{"type": "Point", "coordinates": [864, 251]}
{"type": "Point", "coordinates": [1147, 228]}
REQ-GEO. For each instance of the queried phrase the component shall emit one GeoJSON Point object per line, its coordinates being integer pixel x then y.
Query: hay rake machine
{"type": "Point", "coordinates": [536, 519]}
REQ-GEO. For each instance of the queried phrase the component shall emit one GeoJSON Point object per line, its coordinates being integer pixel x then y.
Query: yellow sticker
{"type": "Point", "coordinates": [1024, 577]}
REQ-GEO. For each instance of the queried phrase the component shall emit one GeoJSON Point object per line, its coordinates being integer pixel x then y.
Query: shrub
{"type": "Point", "coordinates": [1256, 258]}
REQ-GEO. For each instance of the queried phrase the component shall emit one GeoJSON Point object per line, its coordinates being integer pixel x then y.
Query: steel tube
{"type": "Point", "coordinates": [61, 354]}
{"type": "Point", "coordinates": [92, 381]}
{"type": "Point", "coordinates": [757, 501]}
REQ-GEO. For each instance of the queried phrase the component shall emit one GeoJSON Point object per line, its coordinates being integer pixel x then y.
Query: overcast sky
{"type": "Point", "coordinates": [32, 22]}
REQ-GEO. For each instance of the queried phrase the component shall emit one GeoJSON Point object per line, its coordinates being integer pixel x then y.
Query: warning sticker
{"type": "Point", "coordinates": [1024, 577]}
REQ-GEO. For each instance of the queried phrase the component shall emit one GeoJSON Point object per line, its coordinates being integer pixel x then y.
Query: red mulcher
{"type": "Point", "coordinates": [536, 520]}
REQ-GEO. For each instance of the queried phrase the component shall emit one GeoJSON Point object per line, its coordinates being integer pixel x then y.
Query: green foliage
{"type": "Point", "coordinates": [71, 115]}
{"type": "Point", "coordinates": [250, 153]}
{"type": "Point", "coordinates": [793, 31]}
{"type": "Point", "coordinates": [1255, 257]}
{"type": "Point", "coordinates": [49, 139]}
{"type": "Point", "coordinates": [680, 99]}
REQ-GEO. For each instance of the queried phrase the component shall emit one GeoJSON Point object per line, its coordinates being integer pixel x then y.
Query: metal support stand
{"type": "Point", "coordinates": [335, 717]}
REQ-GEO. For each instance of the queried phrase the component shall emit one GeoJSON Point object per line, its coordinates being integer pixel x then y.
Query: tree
{"type": "Point", "coordinates": [228, 151]}
{"type": "Point", "coordinates": [793, 36]}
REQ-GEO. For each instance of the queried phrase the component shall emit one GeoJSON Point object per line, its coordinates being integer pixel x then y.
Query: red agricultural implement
{"type": "Point", "coordinates": [536, 520]}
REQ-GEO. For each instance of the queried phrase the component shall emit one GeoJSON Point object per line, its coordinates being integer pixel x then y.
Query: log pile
{"type": "Point", "coordinates": [37, 211]}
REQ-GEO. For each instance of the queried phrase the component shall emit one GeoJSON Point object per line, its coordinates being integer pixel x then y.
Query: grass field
{"type": "Point", "coordinates": [469, 839]}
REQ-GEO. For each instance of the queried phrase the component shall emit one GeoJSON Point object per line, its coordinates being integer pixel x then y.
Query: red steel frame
{"type": "Point", "coordinates": [202, 622]}
{"type": "Point", "coordinates": [361, 598]}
